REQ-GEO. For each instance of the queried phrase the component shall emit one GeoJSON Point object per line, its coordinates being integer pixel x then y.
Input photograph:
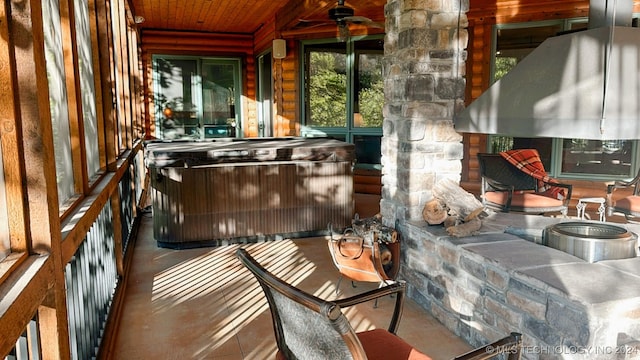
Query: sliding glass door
{"type": "Point", "coordinates": [196, 98]}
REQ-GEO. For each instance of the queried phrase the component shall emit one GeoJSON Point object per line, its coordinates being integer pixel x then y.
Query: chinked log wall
{"type": "Point", "coordinates": [483, 15]}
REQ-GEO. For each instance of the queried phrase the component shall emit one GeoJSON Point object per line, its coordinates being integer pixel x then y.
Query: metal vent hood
{"type": "Point", "coordinates": [578, 85]}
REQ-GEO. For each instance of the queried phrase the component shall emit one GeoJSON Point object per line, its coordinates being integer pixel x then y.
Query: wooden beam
{"type": "Point", "coordinates": [14, 172]}
{"type": "Point", "coordinates": [74, 97]}
{"type": "Point", "coordinates": [107, 64]}
{"type": "Point", "coordinates": [40, 166]}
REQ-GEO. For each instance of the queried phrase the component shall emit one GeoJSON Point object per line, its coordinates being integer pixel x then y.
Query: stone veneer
{"type": "Point", "coordinates": [485, 286]}
{"type": "Point", "coordinates": [424, 65]}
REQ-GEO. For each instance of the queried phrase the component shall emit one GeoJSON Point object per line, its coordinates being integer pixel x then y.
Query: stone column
{"type": "Point", "coordinates": [424, 66]}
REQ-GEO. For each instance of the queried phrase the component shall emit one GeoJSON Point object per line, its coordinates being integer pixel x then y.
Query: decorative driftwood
{"type": "Point", "coordinates": [455, 208]}
{"type": "Point", "coordinates": [459, 201]}
{"type": "Point", "coordinates": [465, 229]}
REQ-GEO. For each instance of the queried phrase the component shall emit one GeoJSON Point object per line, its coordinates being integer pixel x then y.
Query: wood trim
{"type": "Point", "coordinates": [136, 83]}
{"type": "Point", "coordinates": [118, 27]}
{"type": "Point", "coordinates": [147, 76]}
{"type": "Point", "coordinates": [106, 81]}
{"type": "Point", "coordinates": [97, 81]}
{"type": "Point", "coordinates": [157, 41]}
{"type": "Point", "coordinates": [41, 188]}
{"type": "Point", "coordinates": [286, 95]}
{"type": "Point", "coordinates": [74, 98]}
{"type": "Point", "coordinates": [13, 167]}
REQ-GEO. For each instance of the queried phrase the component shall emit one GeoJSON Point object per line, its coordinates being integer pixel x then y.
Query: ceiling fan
{"type": "Point", "coordinates": [342, 16]}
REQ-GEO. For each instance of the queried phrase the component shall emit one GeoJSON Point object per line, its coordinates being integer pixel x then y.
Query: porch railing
{"type": "Point", "coordinates": [28, 345]}
{"type": "Point", "coordinates": [91, 279]}
{"type": "Point", "coordinates": [91, 276]}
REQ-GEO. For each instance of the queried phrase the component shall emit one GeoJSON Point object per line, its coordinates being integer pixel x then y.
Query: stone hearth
{"type": "Point", "coordinates": [482, 287]}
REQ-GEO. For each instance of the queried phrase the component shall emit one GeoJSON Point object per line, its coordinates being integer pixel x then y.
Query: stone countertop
{"type": "Point", "coordinates": [511, 241]}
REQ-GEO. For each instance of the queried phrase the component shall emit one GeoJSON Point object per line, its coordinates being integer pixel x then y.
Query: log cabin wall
{"type": "Point", "coordinates": [483, 15]}
{"type": "Point", "coordinates": [286, 90]}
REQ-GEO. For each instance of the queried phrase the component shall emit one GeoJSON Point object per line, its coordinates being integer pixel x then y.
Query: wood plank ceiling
{"type": "Point", "coordinates": [241, 16]}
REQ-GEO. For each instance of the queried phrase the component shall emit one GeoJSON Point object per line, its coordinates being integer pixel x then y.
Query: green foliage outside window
{"type": "Point", "coordinates": [371, 100]}
{"type": "Point", "coordinates": [327, 89]}
{"type": "Point", "coordinates": [503, 66]}
{"type": "Point", "coordinates": [371, 94]}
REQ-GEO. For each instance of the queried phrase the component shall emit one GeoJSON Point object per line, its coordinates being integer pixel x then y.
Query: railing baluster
{"type": "Point", "coordinates": [91, 278]}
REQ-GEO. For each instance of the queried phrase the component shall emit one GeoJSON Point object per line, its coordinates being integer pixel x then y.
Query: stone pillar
{"type": "Point", "coordinates": [424, 66]}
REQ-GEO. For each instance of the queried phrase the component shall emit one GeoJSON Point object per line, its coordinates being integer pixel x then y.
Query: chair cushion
{"type": "Point", "coordinates": [629, 203]}
{"type": "Point", "coordinates": [523, 200]}
{"type": "Point", "coordinates": [379, 344]}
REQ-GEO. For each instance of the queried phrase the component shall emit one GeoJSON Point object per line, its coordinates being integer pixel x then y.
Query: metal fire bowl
{"type": "Point", "coordinates": [591, 241]}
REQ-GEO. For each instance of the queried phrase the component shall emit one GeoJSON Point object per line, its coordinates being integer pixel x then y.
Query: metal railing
{"type": "Point", "coordinates": [28, 345]}
{"type": "Point", "coordinates": [91, 278]}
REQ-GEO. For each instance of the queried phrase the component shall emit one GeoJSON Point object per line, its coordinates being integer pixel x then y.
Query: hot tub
{"type": "Point", "coordinates": [244, 190]}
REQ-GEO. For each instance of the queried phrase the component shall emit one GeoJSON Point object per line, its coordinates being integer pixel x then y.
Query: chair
{"type": "Point", "coordinates": [510, 346]}
{"type": "Point", "coordinates": [629, 205]}
{"type": "Point", "coordinates": [506, 188]}
{"type": "Point", "coordinates": [307, 327]}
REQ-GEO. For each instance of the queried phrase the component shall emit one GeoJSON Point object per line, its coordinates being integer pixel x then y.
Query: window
{"type": "Point", "coordinates": [579, 158]}
{"type": "Point", "coordinates": [344, 94]}
{"type": "Point", "coordinates": [196, 98]}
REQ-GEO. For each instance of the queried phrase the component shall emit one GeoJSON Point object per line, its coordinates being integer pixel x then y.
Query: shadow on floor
{"type": "Point", "coordinates": [202, 304]}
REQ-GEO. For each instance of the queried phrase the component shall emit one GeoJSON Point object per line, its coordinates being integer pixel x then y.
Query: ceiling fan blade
{"type": "Point", "coordinates": [356, 19]}
{"type": "Point", "coordinates": [361, 20]}
{"type": "Point", "coordinates": [309, 23]}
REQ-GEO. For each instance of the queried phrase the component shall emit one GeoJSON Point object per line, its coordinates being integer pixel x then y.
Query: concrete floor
{"type": "Point", "coordinates": [202, 304]}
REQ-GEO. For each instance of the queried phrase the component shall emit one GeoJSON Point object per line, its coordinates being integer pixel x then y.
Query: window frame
{"type": "Point", "coordinates": [200, 61]}
{"type": "Point", "coordinates": [348, 133]}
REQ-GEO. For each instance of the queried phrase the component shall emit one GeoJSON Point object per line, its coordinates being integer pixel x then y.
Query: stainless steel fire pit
{"type": "Point", "coordinates": [591, 241]}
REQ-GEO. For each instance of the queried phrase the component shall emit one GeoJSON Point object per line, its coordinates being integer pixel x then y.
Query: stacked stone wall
{"type": "Point", "coordinates": [481, 301]}
{"type": "Point", "coordinates": [424, 65]}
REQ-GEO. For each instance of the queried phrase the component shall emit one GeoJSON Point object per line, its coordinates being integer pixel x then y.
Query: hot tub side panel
{"type": "Point", "coordinates": [207, 204]}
